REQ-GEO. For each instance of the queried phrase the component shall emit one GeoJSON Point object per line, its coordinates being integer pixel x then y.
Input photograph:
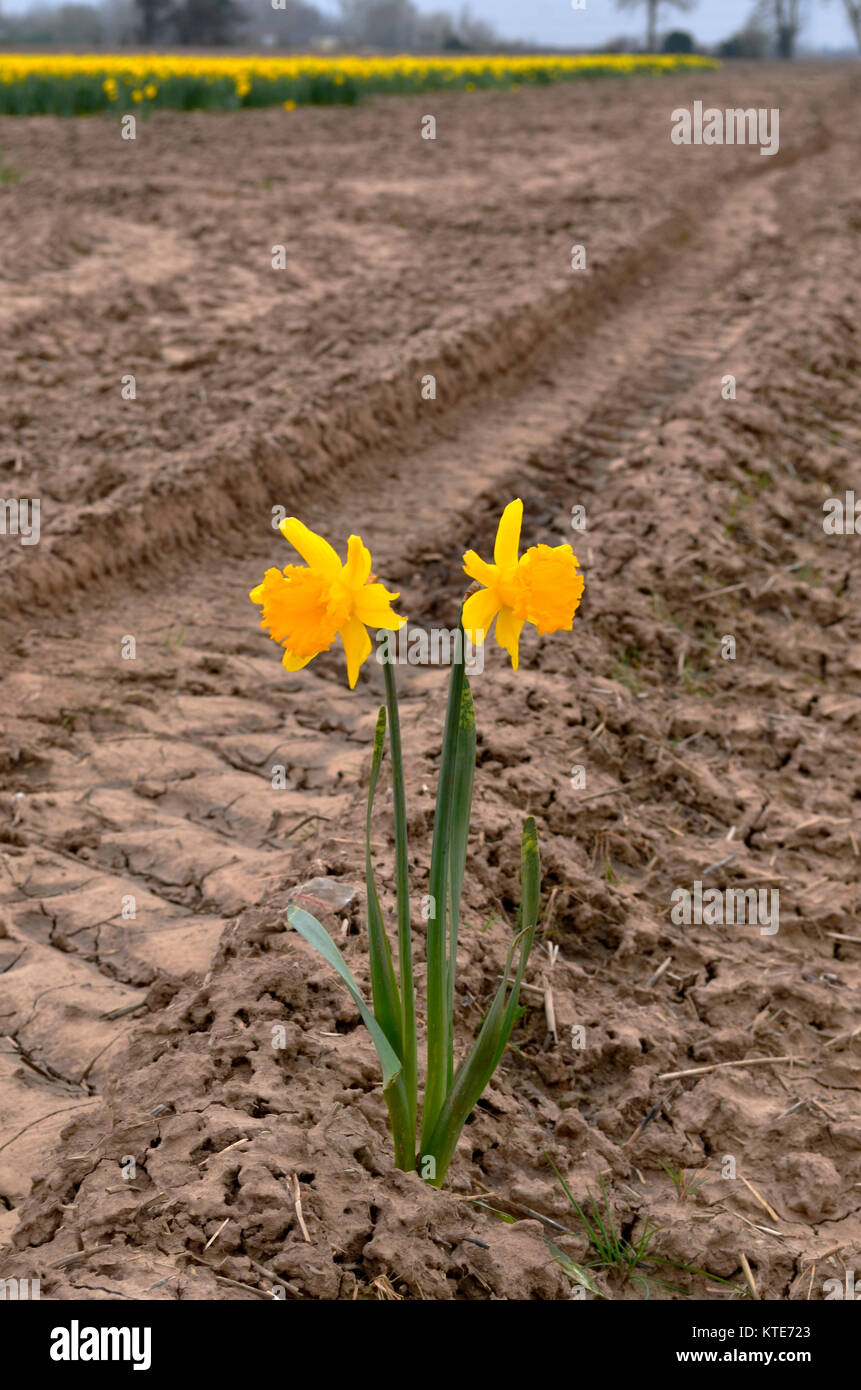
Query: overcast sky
{"type": "Point", "coordinates": [555, 22]}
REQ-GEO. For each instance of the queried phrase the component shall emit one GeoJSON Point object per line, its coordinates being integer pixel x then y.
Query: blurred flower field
{"type": "Point", "coordinates": [80, 84]}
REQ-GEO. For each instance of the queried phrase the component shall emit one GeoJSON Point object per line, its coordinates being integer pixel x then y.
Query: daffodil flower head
{"type": "Point", "coordinates": [306, 607]}
{"type": "Point", "coordinates": [542, 587]}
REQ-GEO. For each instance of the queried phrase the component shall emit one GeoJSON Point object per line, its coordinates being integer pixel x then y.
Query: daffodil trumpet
{"type": "Point", "coordinates": [305, 609]}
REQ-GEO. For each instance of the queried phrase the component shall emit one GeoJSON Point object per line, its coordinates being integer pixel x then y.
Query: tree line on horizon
{"type": "Point", "coordinates": [772, 30]}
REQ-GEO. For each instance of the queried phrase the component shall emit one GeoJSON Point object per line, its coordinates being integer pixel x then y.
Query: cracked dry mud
{"type": "Point", "coordinates": [151, 1037]}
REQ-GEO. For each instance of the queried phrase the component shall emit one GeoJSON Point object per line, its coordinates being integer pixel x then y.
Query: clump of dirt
{"type": "Point", "coordinates": [246, 1121]}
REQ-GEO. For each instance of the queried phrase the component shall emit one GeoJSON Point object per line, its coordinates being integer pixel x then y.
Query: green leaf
{"type": "Point", "coordinates": [574, 1271]}
{"type": "Point", "coordinates": [530, 874]}
{"type": "Point", "coordinates": [565, 1188]}
{"type": "Point", "coordinates": [475, 1072]}
{"type": "Point", "coordinates": [530, 898]}
{"type": "Point", "coordinates": [409, 1049]}
{"type": "Point", "coordinates": [384, 986]}
{"type": "Point", "coordinates": [438, 1013]}
{"type": "Point", "coordinates": [317, 936]}
{"type": "Point", "coordinates": [502, 1215]}
{"type": "Point", "coordinates": [461, 809]}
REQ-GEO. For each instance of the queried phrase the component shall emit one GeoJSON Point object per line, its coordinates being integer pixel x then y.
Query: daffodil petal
{"type": "Point", "coordinates": [507, 545]}
{"type": "Point", "coordinates": [291, 662]}
{"type": "Point", "coordinates": [479, 612]}
{"type": "Point", "coordinates": [358, 565]}
{"type": "Point", "coordinates": [508, 629]}
{"type": "Point", "coordinates": [315, 551]}
{"type": "Point", "coordinates": [269, 581]}
{"type": "Point", "coordinates": [357, 645]}
{"type": "Point", "coordinates": [373, 605]}
{"type": "Point", "coordinates": [479, 569]}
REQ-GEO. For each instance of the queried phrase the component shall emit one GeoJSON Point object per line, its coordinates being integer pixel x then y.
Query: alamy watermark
{"type": "Point", "coordinates": [842, 1289]}
{"type": "Point", "coordinates": [23, 1290]}
{"type": "Point", "coordinates": [842, 516]}
{"type": "Point", "coordinates": [751, 907]}
{"type": "Point", "coordinates": [77, 1343]}
{"type": "Point", "coordinates": [436, 646]}
{"type": "Point", "coordinates": [20, 516]}
{"type": "Point", "coordinates": [734, 126]}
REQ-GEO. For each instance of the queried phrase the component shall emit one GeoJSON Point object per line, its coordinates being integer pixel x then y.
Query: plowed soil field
{"type": "Point", "coordinates": [148, 1038]}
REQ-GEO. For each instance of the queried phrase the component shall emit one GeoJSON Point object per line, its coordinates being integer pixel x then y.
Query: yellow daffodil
{"type": "Point", "coordinates": [542, 587]}
{"type": "Point", "coordinates": [305, 609]}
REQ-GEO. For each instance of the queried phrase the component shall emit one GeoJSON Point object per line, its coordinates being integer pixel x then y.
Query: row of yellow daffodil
{"type": "Point", "coordinates": [77, 84]}
{"type": "Point", "coordinates": [304, 608]}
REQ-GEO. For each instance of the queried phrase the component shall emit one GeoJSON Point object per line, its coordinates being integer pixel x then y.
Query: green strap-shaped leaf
{"type": "Point", "coordinates": [384, 985]}
{"type": "Point", "coordinates": [461, 809]}
{"type": "Point", "coordinates": [530, 897]}
{"type": "Point", "coordinates": [317, 936]}
{"type": "Point", "coordinates": [574, 1271]}
{"type": "Point", "coordinates": [470, 1080]}
{"type": "Point", "coordinates": [408, 1051]}
{"type": "Point", "coordinates": [437, 1012]}
{"type": "Point", "coordinates": [476, 1070]}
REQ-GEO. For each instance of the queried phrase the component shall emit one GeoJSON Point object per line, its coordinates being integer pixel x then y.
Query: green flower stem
{"type": "Point", "coordinates": [461, 809]}
{"type": "Point", "coordinates": [403, 1126]}
{"type": "Point", "coordinates": [438, 1021]}
{"type": "Point", "coordinates": [409, 1056]}
{"type": "Point", "coordinates": [486, 1053]}
{"type": "Point", "coordinates": [388, 1010]}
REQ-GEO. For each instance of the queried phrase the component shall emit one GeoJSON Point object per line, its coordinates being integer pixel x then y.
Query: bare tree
{"type": "Point", "coordinates": [118, 18]}
{"type": "Point", "coordinates": [750, 42]}
{"type": "Point", "coordinates": [853, 14]}
{"type": "Point", "coordinates": [207, 23]}
{"type": "Point", "coordinates": [398, 24]}
{"type": "Point", "coordinates": [379, 23]}
{"type": "Point", "coordinates": [653, 8]}
{"type": "Point", "coordinates": [294, 24]}
{"type": "Point", "coordinates": [475, 34]}
{"type": "Point", "coordinates": [783, 19]}
{"type": "Point", "coordinates": [436, 31]}
{"type": "Point", "coordinates": [154, 17]}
